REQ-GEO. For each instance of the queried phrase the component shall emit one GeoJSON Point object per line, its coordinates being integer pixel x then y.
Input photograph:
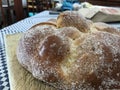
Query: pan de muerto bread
{"type": "Point", "coordinates": [74, 55]}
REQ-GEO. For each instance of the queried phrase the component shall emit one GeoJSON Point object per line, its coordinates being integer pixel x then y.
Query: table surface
{"type": "Point", "coordinates": [19, 27]}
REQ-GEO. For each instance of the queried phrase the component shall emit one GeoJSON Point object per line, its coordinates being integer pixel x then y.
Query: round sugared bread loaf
{"type": "Point", "coordinates": [72, 57]}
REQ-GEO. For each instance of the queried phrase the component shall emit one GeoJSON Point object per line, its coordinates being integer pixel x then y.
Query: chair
{"type": "Point", "coordinates": [6, 13]}
{"type": "Point", "coordinates": [19, 11]}
{"type": "Point", "coordinates": [2, 21]}
{"type": "Point", "coordinates": [35, 6]}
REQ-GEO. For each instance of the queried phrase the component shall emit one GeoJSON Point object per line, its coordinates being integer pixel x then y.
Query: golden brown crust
{"type": "Point", "coordinates": [50, 23]}
{"type": "Point", "coordinates": [70, 59]}
{"type": "Point", "coordinates": [53, 21]}
{"type": "Point", "coordinates": [107, 28]}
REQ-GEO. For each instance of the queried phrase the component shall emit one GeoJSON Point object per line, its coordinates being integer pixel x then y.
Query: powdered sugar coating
{"type": "Point", "coordinates": [69, 59]}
